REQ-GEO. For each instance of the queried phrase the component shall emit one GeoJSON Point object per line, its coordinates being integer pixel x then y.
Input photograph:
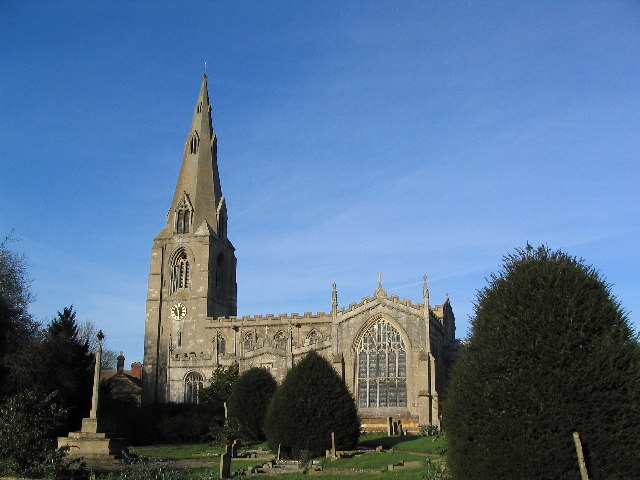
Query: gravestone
{"type": "Point", "coordinates": [389, 426]}
{"type": "Point", "coordinates": [234, 448]}
{"type": "Point", "coordinates": [225, 462]}
{"type": "Point", "coordinates": [400, 429]}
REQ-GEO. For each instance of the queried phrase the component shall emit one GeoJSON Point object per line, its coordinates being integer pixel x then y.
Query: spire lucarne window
{"type": "Point", "coordinates": [183, 217]}
{"type": "Point", "coordinates": [382, 367]}
{"type": "Point", "coordinates": [193, 144]}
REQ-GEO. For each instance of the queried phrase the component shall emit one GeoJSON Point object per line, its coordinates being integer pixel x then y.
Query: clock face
{"type": "Point", "coordinates": [178, 311]}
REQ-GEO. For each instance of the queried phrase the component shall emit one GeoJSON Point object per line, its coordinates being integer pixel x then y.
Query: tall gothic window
{"type": "Point", "coordinates": [382, 367]}
{"type": "Point", "coordinates": [180, 274]}
{"type": "Point", "coordinates": [220, 275]}
{"type": "Point", "coordinates": [221, 345]}
{"type": "Point", "coordinates": [192, 386]}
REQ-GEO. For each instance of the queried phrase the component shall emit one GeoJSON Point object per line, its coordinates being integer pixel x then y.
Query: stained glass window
{"type": "Point", "coordinates": [382, 367]}
{"type": "Point", "coordinates": [192, 386]}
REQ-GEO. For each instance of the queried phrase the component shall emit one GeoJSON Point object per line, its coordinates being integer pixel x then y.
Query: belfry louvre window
{"type": "Point", "coordinates": [180, 274]}
{"type": "Point", "coordinates": [382, 367]}
{"type": "Point", "coordinates": [192, 386]}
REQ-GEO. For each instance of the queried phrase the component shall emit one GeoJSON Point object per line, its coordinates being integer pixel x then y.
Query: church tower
{"type": "Point", "coordinates": [193, 264]}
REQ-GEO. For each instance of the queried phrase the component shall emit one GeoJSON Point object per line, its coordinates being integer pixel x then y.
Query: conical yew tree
{"type": "Point", "coordinates": [312, 402]}
{"type": "Point", "coordinates": [550, 353]}
{"type": "Point", "coordinates": [249, 399]}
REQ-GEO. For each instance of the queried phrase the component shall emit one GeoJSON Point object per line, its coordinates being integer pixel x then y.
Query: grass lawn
{"type": "Point", "coordinates": [372, 460]}
{"type": "Point", "coordinates": [413, 443]}
{"type": "Point", "coordinates": [414, 474]}
{"type": "Point", "coordinates": [182, 451]}
{"type": "Point", "coordinates": [204, 451]}
{"type": "Point", "coordinates": [401, 445]}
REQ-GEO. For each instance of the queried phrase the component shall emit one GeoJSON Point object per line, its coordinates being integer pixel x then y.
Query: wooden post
{"type": "Point", "coordinates": [581, 464]}
{"type": "Point", "coordinates": [333, 444]}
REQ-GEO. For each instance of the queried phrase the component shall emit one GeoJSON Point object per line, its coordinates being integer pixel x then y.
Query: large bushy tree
{"type": "Point", "coordinates": [249, 399]}
{"type": "Point", "coordinates": [550, 353]}
{"type": "Point", "coordinates": [312, 402]}
{"type": "Point", "coordinates": [18, 331]}
{"type": "Point", "coordinates": [28, 426]}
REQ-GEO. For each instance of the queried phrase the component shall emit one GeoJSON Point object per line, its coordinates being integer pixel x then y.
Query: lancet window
{"type": "Point", "coordinates": [382, 367]}
{"type": "Point", "coordinates": [193, 143]}
{"type": "Point", "coordinates": [221, 345]}
{"type": "Point", "coordinates": [193, 383]}
{"type": "Point", "coordinates": [180, 274]}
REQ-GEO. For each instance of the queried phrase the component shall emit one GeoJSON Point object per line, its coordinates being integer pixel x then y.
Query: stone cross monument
{"type": "Point", "coordinates": [92, 442]}
{"type": "Point", "coordinates": [91, 424]}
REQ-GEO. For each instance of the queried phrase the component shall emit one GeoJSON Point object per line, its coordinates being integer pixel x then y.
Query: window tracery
{"type": "Point", "coordinates": [193, 383]}
{"type": "Point", "coordinates": [382, 367]}
{"type": "Point", "coordinates": [313, 337]}
{"type": "Point", "coordinates": [183, 214]}
{"type": "Point", "coordinates": [249, 341]}
{"type": "Point", "coordinates": [180, 274]}
{"type": "Point", "coordinates": [280, 340]}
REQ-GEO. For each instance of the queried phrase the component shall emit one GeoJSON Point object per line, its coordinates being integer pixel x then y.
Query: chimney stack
{"type": "Point", "coordinates": [120, 363]}
{"type": "Point", "coordinates": [136, 370]}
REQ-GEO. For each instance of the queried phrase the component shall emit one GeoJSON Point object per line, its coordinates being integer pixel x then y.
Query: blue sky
{"type": "Point", "coordinates": [354, 138]}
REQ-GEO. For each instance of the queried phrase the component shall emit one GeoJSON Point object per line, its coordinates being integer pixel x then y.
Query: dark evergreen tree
{"type": "Point", "coordinates": [249, 399]}
{"type": "Point", "coordinates": [67, 366]}
{"type": "Point", "coordinates": [312, 402]}
{"type": "Point", "coordinates": [550, 353]}
{"type": "Point", "coordinates": [217, 393]}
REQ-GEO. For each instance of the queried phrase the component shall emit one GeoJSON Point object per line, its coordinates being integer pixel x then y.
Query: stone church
{"type": "Point", "coordinates": [392, 353]}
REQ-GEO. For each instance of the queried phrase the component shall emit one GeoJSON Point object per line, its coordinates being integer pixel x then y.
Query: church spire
{"type": "Point", "coordinates": [198, 195]}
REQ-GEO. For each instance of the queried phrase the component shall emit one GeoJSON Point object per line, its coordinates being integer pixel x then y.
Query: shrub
{"type": "Point", "coordinates": [312, 402]}
{"type": "Point", "coordinates": [249, 399]}
{"type": "Point", "coordinates": [217, 393]}
{"type": "Point", "coordinates": [184, 423]}
{"type": "Point", "coordinates": [223, 432]}
{"type": "Point", "coordinates": [28, 425]}
{"type": "Point", "coordinates": [550, 353]}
